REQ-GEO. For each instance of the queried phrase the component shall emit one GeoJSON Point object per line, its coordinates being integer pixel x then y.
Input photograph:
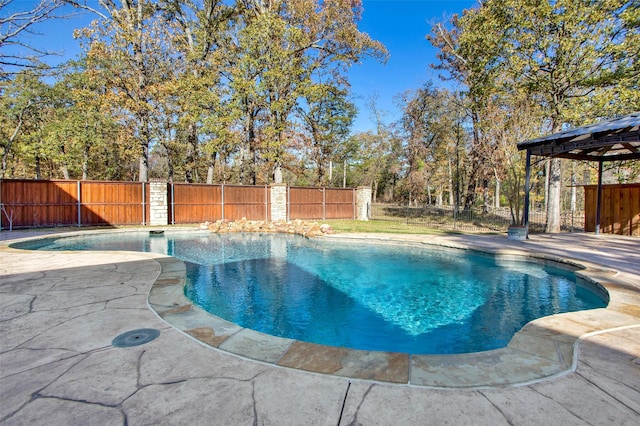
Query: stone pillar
{"type": "Point", "coordinates": [278, 202]}
{"type": "Point", "coordinates": [363, 202]}
{"type": "Point", "coordinates": [158, 206]}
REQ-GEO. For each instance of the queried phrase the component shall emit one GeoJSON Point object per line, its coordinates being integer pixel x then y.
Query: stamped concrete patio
{"type": "Point", "coordinates": [59, 313]}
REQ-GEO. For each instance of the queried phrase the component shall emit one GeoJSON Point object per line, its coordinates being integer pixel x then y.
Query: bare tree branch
{"type": "Point", "coordinates": [18, 20]}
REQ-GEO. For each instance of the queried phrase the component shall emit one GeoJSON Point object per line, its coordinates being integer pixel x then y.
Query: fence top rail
{"type": "Point", "coordinates": [226, 185]}
{"type": "Point", "coordinates": [175, 183]}
{"type": "Point", "coordinates": [613, 185]}
{"type": "Point", "coordinates": [73, 181]}
{"type": "Point", "coordinates": [321, 188]}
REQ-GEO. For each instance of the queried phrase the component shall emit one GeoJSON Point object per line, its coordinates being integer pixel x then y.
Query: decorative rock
{"type": "Point", "coordinates": [326, 229]}
{"type": "Point", "coordinates": [301, 227]}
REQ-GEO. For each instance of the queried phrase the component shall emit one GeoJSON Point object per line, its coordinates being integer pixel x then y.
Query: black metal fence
{"type": "Point", "coordinates": [470, 220]}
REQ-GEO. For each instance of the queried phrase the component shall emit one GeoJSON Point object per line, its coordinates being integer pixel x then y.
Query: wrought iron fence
{"type": "Point", "coordinates": [469, 220]}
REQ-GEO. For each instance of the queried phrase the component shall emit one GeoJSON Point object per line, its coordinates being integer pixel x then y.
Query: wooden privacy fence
{"type": "Point", "coordinates": [619, 211]}
{"type": "Point", "coordinates": [194, 203]}
{"type": "Point", "coordinates": [322, 203]}
{"type": "Point", "coordinates": [30, 203]}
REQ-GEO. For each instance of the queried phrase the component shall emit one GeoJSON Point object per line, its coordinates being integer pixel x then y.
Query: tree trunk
{"type": "Point", "coordinates": [143, 166]}
{"type": "Point", "coordinates": [554, 181]}
{"type": "Point", "coordinates": [242, 156]}
{"type": "Point", "coordinates": [170, 167]}
{"type": "Point", "coordinates": [485, 196]}
{"type": "Point", "coordinates": [470, 196]}
{"type": "Point", "coordinates": [211, 168]}
{"type": "Point", "coordinates": [192, 153]}
{"type": "Point", "coordinates": [546, 185]}
{"type": "Point", "coordinates": [320, 173]}
{"type": "Point", "coordinates": [451, 198]}
{"type": "Point", "coordinates": [277, 174]}
{"type": "Point", "coordinates": [375, 190]}
{"type": "Point", "coordinates": [553, 203]}
{"type": "Point", "coordinates": [38, 168]}
{"type": "Point", "coordinates": [85, 163]}
{"type": "Point", "coordinates": [143, 169]}
{"type": "Point", "coordinates": [7, 147]}
{"type": "Point", "coordinates": [497, 195]}
{"type": "Point", "coordinates": [252, 152]}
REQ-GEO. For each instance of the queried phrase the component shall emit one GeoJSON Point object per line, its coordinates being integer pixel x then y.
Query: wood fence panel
{"type": "Point", "coordinates": [590, 202]}
{"type": "Point", "coordinates": [625, 211]}
{"type": "Point", "coordinates": [305, 203]}
{"type": "Point", "coordinates": [615, 198]}
{"type": "Point", "coordinates": [619, 212]}
{"type": "Point", "coordinates": [38, 203]}
{"type": "Point", "coordinates": [251, 202]}
{"type": "Point", "coordinates": [634, 214]}
{"type": "Point", "coordinates": [606, 216]}
{"type": "Point", "coordinates": [195, 203]}
{"type": "Point", "coordinates": [114, 203]}
{"type": "Point", "coordinates": [340, 203]}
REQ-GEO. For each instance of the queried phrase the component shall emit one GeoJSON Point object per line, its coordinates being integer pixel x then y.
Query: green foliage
{"type": "Point", "coordinates": [326, 116]}
{"type": "Point", "coordinates": [193, 88]}
{"type": "Point", "coordinates": [27, 110]}
{"type": "Point", "coordinates": [531, 68]}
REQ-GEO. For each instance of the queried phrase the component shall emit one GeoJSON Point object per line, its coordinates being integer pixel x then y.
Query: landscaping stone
{"type": "Point", "coordinates": [300, 227]}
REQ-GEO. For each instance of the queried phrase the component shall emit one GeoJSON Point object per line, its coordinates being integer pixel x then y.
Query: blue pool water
{"type": "Point", "coordinates": [413, 299]}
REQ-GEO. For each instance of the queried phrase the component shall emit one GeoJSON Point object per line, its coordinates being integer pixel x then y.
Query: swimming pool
{"type": "Point", "coordinates": [408, 298]}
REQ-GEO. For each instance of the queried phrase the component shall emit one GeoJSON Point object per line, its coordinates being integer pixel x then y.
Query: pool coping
{"type": "Point", "coordinates": [545, 348]}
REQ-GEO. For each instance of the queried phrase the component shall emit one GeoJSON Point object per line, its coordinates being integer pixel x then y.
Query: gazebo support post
{"type": "Point", "coordinates": [527, 187]}
{"type": "Point", "coordinates": [599, 197]}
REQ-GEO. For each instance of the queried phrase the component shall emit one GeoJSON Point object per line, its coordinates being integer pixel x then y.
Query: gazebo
{"type": "Point", "coordinates": [611, 140]}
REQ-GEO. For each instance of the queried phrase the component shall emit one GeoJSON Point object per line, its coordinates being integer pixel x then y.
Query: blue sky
{"type": "Point", "coordinates": [401, 25]}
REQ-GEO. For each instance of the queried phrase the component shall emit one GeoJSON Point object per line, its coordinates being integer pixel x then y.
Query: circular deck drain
{"type": "Point", "coordinates": [135, 337]}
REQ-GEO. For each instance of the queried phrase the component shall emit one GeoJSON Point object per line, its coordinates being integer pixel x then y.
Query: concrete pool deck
{"type": "Point", "coordinates": [60, 312]}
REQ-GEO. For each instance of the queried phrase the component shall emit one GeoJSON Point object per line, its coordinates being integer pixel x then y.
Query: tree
{"type": "Point", "coordinates": [379, 155]}
{"type": "Point", "coordinates": [26, 108]}
{"type": "Point", "coordinates": [198, 84]}
{"type": "Point", "coordinates": [282, 49]}
{"type": "Point", "coordinates": [327, 118]}
{"type": "Point", "coordinates": [127, 49]}
{"type": "Point", "coordinates": [560, 54]}
{"type": "Point", "coordinates": [434, 146]}
{"type": "Point", "coordinates": [83, 125]}
{"type": "Point", "coordinates": [469, 57]}
{"type": "Point", "coordinates": [20, 18]}
{"type": "Point", "coordinates": [201, 37]}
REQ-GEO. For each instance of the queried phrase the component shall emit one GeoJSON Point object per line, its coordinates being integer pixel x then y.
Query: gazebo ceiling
{"type": "Point", "coordinates": [611, 140]}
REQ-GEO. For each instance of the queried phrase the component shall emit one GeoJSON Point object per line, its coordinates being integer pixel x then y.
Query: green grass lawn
{"type": "Point", "coordinates": [383, 227]}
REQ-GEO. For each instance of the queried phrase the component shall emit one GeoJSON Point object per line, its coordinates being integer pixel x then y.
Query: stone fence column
{"type": "Point", "coordinates": [278, 202]}
{"type": "Point", "coordinates": [158, 205]}
{"type": "Point", "coordinates": [363, 202]}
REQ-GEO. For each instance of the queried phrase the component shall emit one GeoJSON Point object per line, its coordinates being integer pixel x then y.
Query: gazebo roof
{"type": "Point", "coordinates": [611, 140]}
